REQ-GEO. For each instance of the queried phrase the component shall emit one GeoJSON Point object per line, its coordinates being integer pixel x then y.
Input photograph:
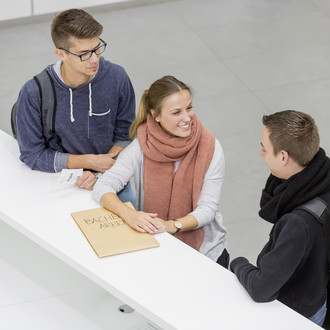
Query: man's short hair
{"type": "Point", "coordinates": [74, 23]}
{"type": "Point", "coordinates": [295, 132]}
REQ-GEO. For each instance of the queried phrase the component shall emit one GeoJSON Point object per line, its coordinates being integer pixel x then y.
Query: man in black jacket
{"type": "Point", "coordinates": [293, 265]}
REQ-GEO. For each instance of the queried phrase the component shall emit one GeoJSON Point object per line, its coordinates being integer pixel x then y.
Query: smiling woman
{"type": "Point", "coordinates": [178, 170]}
{"type": "Point", "coordinates": [176, 115]}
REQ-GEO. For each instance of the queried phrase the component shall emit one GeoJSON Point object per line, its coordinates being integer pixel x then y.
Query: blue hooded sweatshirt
{"type": "Point", "coordinates": [89, 119]}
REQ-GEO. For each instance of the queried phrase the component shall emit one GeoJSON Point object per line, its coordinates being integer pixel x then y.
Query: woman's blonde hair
{"type": "Point", "coordinates": [153, 97]}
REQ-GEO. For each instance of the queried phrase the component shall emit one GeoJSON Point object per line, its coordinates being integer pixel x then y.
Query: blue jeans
{"type": "Point", "coordinates": [127, 194]}
{"type": "Point", "coordinates": [319, 316]}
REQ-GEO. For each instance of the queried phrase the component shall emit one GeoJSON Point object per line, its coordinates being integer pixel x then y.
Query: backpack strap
{"type": "Point", "coordinates": [48, 108]}
{"type": "Point", "coordinates": [13, 117]}
{"type": "Point", "coordinates": [47, 93]}
{"type": "Point", "coordinates": [48, 104]}
{"type": "Point", "coordinates": [319, 209]}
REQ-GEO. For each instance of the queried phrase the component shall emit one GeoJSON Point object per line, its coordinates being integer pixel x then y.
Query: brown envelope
{"type": "Point", "coordinates": [108, 234]}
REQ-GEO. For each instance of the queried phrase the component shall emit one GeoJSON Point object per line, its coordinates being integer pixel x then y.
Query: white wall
{"type": "Point", "coordinates": [24, 8]}
{"type": "Point", "coordinates": [14, 9]}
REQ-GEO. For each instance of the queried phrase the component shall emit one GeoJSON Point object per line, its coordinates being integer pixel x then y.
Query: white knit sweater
{"type": "Point", "coordinates": [130, 165]}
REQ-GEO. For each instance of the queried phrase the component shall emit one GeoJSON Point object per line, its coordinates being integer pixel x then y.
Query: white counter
{"type": "Point", "coordinates": [172, 285]}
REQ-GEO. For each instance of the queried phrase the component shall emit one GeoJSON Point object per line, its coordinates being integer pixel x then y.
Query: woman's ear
{"type": "Point", "coordinates": [153, 112]}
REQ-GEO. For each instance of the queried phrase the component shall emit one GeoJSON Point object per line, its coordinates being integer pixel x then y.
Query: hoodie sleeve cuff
{"type": "Point", "coordinates": [121, 143]}
{"type": "Point", "coordinates": [60, 161]}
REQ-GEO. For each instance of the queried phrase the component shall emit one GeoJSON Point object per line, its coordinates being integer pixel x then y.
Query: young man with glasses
{"type": "Point", "coordinates": [95, 104]}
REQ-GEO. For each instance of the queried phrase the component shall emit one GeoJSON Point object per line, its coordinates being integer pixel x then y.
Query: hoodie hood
{"type": "Point", "coordinates": [57, 69]}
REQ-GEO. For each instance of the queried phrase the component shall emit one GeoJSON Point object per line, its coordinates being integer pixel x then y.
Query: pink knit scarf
{"type": "Point", "coordinates": [175, 194]}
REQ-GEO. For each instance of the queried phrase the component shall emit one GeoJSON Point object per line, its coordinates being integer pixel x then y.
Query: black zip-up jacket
{"type": "Point", "coordinates": [292, 267]}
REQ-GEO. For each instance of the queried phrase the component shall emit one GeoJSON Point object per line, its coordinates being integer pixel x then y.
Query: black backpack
{"type": "Point", "coordinates": [319, 209]}
{"type": "Point", "coordinates": [48, 109]}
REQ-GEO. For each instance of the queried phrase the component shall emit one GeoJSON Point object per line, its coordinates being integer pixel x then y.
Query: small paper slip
{"type": "Point", "coordinates": [108, 234]}
{"type": "Point", "coordinates": [70, 175]}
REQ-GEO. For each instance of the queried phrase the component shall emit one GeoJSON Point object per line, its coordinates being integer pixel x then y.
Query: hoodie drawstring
{"type": "Point", "coordinates": [90, 100]}
{"type": "Point", "coordinates": [71, 106]}
{"type": "Point", "coordinates": [90, 113]}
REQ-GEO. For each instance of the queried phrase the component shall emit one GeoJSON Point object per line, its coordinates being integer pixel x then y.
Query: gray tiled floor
{"type": "Point", "coordinates": [243, 58]}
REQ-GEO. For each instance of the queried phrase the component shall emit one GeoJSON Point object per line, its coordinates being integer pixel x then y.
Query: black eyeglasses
{"type": "Point", "coordinates": [87, 55]}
